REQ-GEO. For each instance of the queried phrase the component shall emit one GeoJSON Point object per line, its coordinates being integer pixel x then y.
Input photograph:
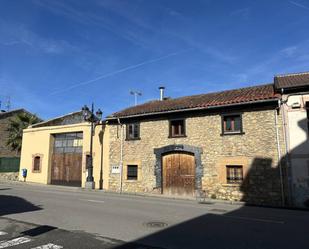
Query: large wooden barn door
{"type": "Point", "coordinates": [178, 174]}
{"type": "Point", "coordinates": [67, 159]}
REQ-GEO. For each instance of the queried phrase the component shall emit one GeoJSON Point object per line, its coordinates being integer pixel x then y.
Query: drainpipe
{"type": "Point", "coordinates": [121, 153]}
{"type": "Point", "coordinates": [101, 168]}
{"type": "Point", "coordinates": [286, 142]}
{"type": "Point", "coordinates": [279, 156]}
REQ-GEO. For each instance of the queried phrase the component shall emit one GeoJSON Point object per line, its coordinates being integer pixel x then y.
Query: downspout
{"type": "Point", "coordinates": [279, 156]}
{"type": "Point", "coordinates": [287, 157]}
{"type": "Point", "coordinates": [121, 153]}
{"type": "Point", "coordinates": [102, 149]}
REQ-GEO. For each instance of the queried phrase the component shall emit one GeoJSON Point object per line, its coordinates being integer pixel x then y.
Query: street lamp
{"type": "Point", "coordinates": [94, 119]}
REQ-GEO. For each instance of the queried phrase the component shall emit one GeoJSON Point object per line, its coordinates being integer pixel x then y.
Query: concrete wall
{"type": "Point", "coordinates": [256, 150]}
{"type": "Point", "coordinates": [298, 145]}
{"type": "Point", "coordinates": [40, 141]}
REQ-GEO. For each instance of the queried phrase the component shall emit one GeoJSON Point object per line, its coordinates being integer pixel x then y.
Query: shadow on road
{"type": "Point", "coordinates": [244, 228]}
{"type": "Point", "coordinates": [38, 230]}
{"type": "Point", "coordinates": [13, 204]}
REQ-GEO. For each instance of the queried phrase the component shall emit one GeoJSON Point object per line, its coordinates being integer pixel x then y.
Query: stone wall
{"type": "Point", "coordinates": [10, 176]}
{"type": "Point", "coordinates": [256, 150]}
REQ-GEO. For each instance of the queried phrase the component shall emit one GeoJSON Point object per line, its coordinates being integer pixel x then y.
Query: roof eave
{"type": "Point", "coordinates": [275, 99]}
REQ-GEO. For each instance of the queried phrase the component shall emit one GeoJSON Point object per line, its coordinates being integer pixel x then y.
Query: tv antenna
{"type": "Point", "coordinates": [136, 94]}
{"type": "Point", "coordinates": [6, 102]}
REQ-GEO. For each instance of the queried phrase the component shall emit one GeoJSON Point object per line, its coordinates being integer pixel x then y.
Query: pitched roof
{"type": "Point", "coordinates": [70, 118]}
{"type": "Point", "coordinates": [292, 80]}
{"type": "Point", "coordinates": [13, 112]}
{"type": "Point", "coordinates": [202, 101]}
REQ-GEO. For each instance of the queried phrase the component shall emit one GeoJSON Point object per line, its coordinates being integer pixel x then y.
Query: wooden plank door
{"type": "Point", "coordinates": [178, 174]}
{"type": "Point", "coordinates": [66, 169]}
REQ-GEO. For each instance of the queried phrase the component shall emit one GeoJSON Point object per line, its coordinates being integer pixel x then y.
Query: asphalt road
{"type": "Point", "coordinates": [114, 219]}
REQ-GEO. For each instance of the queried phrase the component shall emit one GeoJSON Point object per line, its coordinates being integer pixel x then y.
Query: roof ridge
{"type": "Point", "coordinates": [291, 74]}
{"type": "Point", "coordinates": [222, 91]}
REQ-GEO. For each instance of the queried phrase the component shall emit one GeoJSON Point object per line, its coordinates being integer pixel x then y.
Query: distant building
{"type": "Point", "coordinates": [8, 157]}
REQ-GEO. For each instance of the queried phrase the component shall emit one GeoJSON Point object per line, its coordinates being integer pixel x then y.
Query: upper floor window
{"type": "Point", "coordinates": [234, 174]}
{"type": "Point", "coordinates": [177, 128]}
{"type": "Point", "coordinates": [231, 124]}
{"type": "Point", "coordinates": [133, 131]}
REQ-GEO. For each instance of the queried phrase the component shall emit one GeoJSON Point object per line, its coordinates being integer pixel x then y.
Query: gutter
{"type": "Point", "coordinates": [192, 109]}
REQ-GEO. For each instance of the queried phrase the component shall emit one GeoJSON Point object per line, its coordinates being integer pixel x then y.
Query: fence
{"type": "Point", "coordinates": [9, 164]}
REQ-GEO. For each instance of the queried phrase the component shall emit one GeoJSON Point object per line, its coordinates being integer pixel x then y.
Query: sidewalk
{"type": "Point", "coordinates": [200, 200]}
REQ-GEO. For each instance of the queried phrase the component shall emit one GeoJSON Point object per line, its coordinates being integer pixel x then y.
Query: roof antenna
{"type": "Point", "coordinates": [136, 94]}
{"type": "Point", "coordinates": [8, 103]}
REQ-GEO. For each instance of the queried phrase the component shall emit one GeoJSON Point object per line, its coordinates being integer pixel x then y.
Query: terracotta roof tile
{"type": "Point", "coordinates": [241, 95]}
{"type": "Point", "coordinates": [292, 80]}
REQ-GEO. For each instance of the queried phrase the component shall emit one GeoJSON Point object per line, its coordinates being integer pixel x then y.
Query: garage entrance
{"type": "Point", "coordinates": [178, 174]}
{"type": "Point", "coordinates": [66, 164]}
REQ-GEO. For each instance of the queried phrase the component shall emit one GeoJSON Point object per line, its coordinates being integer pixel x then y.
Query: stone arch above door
{"type": "Point", "coordinates": [197, 151]}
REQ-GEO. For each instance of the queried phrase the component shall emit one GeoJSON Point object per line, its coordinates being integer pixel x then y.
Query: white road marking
{"type": "Point", "coordinates": [3, 233]}
{"type": "Point", "coordinates": [97, 201]}
{"type": "Point", "coordinates": [14, 242]}
{"type": "Point", "coordinates": [48, 246]}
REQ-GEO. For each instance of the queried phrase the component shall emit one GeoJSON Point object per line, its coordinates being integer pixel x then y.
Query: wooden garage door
{"type": "Point", "coordinates": [67, 169]}
{"type": "Point", "coordinates": [178, 174]}
{"type": "Point", "coordinates": [67, 159]}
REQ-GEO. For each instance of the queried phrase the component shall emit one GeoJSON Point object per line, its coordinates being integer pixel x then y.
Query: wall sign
{"type": "Point", "coordinates": [115, 169]}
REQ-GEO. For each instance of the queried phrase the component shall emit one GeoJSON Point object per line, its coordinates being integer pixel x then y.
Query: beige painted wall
{"type": "Point", "coordinates": [40, 141]}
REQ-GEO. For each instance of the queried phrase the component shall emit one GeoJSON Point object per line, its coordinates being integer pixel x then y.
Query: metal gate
{"type": "Point", "coordinates": [67, 159]}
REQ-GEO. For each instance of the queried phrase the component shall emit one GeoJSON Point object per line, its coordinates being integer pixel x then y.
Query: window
{"type": "Point", "coordinates": [133, 131]}
{"type": "Point", "coordinates": [177, 128]}
{"type": "Point", "coordinates": [68, 142]}
{"type": "Point", "coordinates": [231, 124]}
{"type": "Point", "coordinates": [132, 172]}
{"type": "Point", "coordinates": [37, 164]}
{"type": "Point", "coordinates": [234, 174]}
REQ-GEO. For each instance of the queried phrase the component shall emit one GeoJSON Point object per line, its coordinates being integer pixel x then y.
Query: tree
{"type": "Point", "coordinates": [16, 125]}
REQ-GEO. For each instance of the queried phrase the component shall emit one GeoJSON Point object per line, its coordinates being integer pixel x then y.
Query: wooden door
{"type": "Point", "coordinates": [66, 169]}
{"type": "Point", "coordinates": [178, 174]}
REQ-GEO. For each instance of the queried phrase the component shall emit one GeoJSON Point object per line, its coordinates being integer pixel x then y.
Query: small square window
{"type": "Point", "coordinates": [133, 131]}
{"type": "Point", "coordinates": [231, 124]}
{"type": "Point", "coordinates": [132, 172]}
{"type": "Point", "coordinates": [177, 128]}
{"type": "Point", "coordinates": [234, 174]}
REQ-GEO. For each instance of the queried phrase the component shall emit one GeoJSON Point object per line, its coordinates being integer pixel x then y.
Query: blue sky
{"type": "Point", "coordinates": [56, 56]}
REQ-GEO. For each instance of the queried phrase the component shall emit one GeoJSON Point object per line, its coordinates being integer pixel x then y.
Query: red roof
{"type": "Point", "coordinates": [292, 80]}
{"type": "Point", "coordinates": [202, 101]}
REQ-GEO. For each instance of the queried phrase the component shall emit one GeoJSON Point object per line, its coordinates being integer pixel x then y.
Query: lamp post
{"type": "Point", "coordinates": [94, 119]}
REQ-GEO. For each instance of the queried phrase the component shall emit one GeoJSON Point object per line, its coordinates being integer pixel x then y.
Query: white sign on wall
{"type": "Point", "coordinates": [115, 169]}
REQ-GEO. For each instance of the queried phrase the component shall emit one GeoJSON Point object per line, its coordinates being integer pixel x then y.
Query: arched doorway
{"type": "Point", "coordinates": [178, 172]}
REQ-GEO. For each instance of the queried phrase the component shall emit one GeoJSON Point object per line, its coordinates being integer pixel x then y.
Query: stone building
{"type": "Point", "coordinates": [248, 144]}
{"type": "Point", "coordinates": [226, 145]}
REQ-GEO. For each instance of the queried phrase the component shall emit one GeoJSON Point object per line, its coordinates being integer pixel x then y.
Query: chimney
{"type": "Point", "coordinates": [161, 88]}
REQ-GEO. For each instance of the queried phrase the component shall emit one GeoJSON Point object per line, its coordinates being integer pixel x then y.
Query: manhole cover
{"type": "Point", "coordinates": [155, 224]}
